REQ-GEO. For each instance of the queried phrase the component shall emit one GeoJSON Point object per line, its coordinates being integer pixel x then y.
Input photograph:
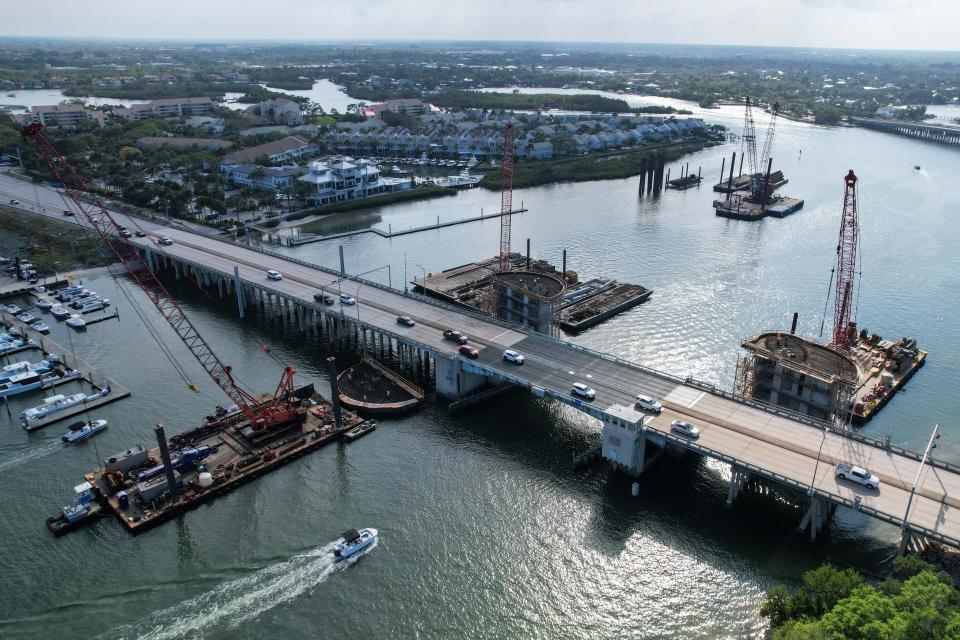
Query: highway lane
{"type": "Point", "coordinates": [750, 435]}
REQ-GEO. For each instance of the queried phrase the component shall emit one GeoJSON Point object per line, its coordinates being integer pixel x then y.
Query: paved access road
{"type": "Point", "coordinates": [729, 429]}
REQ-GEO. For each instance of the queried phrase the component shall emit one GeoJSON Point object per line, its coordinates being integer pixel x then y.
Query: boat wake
{"type": "Point", "coordinates": [29, 454]}
{"type": "Point", "coordinates": [234, 602]}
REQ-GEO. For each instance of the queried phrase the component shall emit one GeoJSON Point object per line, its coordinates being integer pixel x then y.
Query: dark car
{"type": "Point", "coordinates": [67, 212]}
{"type": "Point", "coordinates": [125, 233]}
{"type": "Point", "coordinates": [139, 234]}
{"type": "Point", "coordinates": [406, 321]}
{"type": "Point", "coordinates": [470, 352]}
{"type": "Point", "coordinates": [325, 298]}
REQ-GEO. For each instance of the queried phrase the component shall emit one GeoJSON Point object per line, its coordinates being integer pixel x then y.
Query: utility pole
{"type": "Point", "coordinates": [931, 445]}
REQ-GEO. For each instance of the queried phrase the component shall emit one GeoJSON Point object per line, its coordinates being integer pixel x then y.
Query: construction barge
{"type": "Point", "coordinates": [738, 206]}
{"type": "Point", "coordinates": [577, 305]}
{"type": "Point", "coordinates": [202, 463]}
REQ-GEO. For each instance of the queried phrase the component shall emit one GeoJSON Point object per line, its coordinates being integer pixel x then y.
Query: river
{"type": "Point", "coordinates": [486, 532]}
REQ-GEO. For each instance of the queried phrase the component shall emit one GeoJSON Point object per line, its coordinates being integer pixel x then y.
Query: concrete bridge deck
{"type": "Point", "coordinates": [755, 438]}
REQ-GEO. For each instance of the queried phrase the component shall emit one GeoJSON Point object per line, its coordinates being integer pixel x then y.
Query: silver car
{"type": "Point", "coordinates": [685, 429]}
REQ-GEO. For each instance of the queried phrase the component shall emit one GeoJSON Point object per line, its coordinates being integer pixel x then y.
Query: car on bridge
{"type": "Point", "coordinates": [858, 475]}
{"type": "Point", "coordinates": [325, 298]}
{"type": "Point", "coordinates": [125, 233]}
{"type": "Point", "coordinates": [406, 321]}
{"type": "Point", "coordinates": [456, 336]}
{"type": "Point", "coordinates": [274, 275]}
{"type": "Point", "coordinates": [468, 351]}
{"type": "Point", "coordinates": [649, 404]}
{"type": "Point", "coordinates": [14, 201]}
{"type": "Point", "coordinates": [347, 299]}
{"type": "Point", "coordinates": [67, 212]}
{"type": "Point", "coordinates": [685, 429]}
{"type": "Point", "coordinates": [582, 390]}
{"type": "Point", "coordinates": [513, 356]}
{"type": "Point", "coordinates": [140, 233]}
{"type": "Point", "coordinates": [165, 241]}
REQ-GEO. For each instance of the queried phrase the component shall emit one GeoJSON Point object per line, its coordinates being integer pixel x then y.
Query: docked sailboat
{"type": "Point", "coordinates": [58, 403]}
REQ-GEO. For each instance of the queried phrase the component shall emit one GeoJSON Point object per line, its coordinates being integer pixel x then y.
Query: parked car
{"type": "Point", "coordinates": [455, 336]}
{"type": "Point", "coordinates": [348, 300]}
{"type": "Point", "coordinates": [406, 321]}
{"type": "Point", "coordinates": [858, 475]}
{"type": "Point", "coordinates": [274, 275]}
{"type": "Point", "coordinates": [649, 404]}
{"type": "Point", "coordinates": [470, 352]}
{"type": "Point", "coordinates": [513, 356]}
{"type": "Point", "coordinates": [582, 390]}
{"type": "Point", "coordinates": [685, 429]}
{"type": "Point", "coordinates": [165, 241]}
{"type": "Point", "coordinates": [325, 298]}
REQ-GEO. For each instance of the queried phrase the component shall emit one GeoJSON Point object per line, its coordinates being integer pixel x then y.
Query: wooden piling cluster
{"type": "Point", "coordinates": [651, 174]}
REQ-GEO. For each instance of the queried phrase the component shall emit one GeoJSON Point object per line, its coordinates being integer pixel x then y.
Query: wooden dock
{"type": "Point", "coordinates": [72, 364]}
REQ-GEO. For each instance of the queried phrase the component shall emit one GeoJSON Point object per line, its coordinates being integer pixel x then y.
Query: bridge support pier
{"type": "Point", "coordinates": [739, 479]}
{"type": "Point", "coordinates": [816, 516]}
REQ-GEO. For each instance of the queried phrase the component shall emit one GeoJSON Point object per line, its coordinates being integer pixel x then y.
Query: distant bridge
{"type": "Point", "coordinates": [943, 134]}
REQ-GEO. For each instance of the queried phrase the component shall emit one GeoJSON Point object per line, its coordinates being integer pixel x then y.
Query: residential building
{"type": "Point", "coordinates": [411, 106]}
{"type": "Point", "coordinates": [259, 177]}
{"type": "Point", "coordinates": [340, 179]}
{"type": "Point", "coordinates": [277, 151]}
{"type": "Point", "coordinates": [167, 108]}
{"type": "Point", "coordinates": [279, 111]}
{"type": "Point", "coordinates": [63, 115]}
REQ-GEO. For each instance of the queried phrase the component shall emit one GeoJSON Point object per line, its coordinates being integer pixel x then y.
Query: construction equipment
{"type": "Point", "coordinates": [843, 329]}
{"type": "Point", "coordinates": [759, 166]}
{"type": "Point", "coordinates": [263, 415]}
{"type": "Point", "coordinates": [749, 141]}
{"type": "Point", "coordinates": [768, 138]}
{"type": "Point", "coordinates": [506, 196]}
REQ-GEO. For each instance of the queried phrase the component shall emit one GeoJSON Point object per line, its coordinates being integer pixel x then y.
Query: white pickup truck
{"type": "Point", "coordinates": [858, 475]}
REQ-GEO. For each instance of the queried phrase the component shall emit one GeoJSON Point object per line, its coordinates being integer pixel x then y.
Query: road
{"type": "Point", "coordinates": [798, 453]}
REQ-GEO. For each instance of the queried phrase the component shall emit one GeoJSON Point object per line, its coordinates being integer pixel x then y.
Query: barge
{"type": "Point", "coordinates": [206, 461]}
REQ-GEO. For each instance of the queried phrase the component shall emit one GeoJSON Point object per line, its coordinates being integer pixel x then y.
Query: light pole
{"type": "Point", "coordinates": [405, 272]}
{"type": "Point", "coordinates": [424, 281]}
{"type": "Point", "coordinates": [931, 445]}
{"type": "Point", "coordinates": [813, 482]}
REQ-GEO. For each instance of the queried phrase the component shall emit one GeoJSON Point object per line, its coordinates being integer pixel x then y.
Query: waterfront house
{"type": "Point", "coordinates": [259, 177]}
{"type": "Point", "coordinates": [342, 178]}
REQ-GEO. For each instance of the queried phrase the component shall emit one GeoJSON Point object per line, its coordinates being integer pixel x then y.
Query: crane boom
{"type": "Point", "coordinates": [750, 139]}
{"type": "Point", "coordinates": [768, 138]}
{"type": "Point", "coordinates": [506, 196]}
{"type": "Point", "coordinates": [846, 264]}
{"type": "Point", "coordinates": [92, 209]}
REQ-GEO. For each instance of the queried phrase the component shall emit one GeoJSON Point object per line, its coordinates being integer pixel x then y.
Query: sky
{"type": "Point", "coordinates": [854, 24]}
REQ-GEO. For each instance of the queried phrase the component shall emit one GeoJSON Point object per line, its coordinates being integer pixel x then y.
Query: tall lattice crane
{"type": "Point", "coordinates": [506, 196]}
{"type": "Point", "coordinates": [768, 138]}
{"type": "Point", "coordinates": [262, 415]}
{"type": "Point", "coordinates": [846, 265]}
{"type": "Point", "coordinates": [749, 138]}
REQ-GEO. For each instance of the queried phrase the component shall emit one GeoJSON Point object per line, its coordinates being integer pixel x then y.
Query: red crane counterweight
{"type": "Point", "coordinates": [846, 266]}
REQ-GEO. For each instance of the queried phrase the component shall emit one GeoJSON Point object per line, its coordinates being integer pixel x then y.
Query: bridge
{"type": "Point", "coordinates": [759, 441]}
{"type": "Point", "coordinates": [943, 134]}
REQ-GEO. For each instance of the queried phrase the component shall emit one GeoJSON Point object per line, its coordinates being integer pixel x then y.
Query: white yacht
{"type": "Point", "coordinates": [57, 403]}
{"type": "Point", "coordinates": [59, 312]}
{"type": "Point", "coordinates": [77, 322]}
{"type": "Point", "coordinates": [353, 541]}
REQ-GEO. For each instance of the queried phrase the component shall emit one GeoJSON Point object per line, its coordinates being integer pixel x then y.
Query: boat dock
{"type": "Point", "coordinates": [237, 454]}
{"type": "Point", "coordinates": [80, 369]}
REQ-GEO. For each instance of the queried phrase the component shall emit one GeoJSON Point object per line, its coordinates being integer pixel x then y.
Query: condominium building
{"type": "Point", "coordinates": [63, 115]}
{"type": "Point", "coordinates": [167, 108]}
{"type": "Point", "coordinates": [343, 178]}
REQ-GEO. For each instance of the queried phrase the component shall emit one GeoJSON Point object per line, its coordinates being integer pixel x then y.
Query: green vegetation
{"type": "Point", "coordinates": [459, 100]}
{"type": "Point", "coordinates": [376, 201]}
{"type": "Point", "coordinates": [595, 166]}
{"type": "Point", "coordinates": [50, 245]}
{"type": "Point", "coordinates": [917, 603]}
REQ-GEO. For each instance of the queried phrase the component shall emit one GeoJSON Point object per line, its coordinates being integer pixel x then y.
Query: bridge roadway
{"type": "Point", "coordinates": [769, 445]}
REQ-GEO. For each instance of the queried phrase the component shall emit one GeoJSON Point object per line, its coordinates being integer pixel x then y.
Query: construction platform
{"type": "Point", "coordinates": [737, 207]}
{"type": "Point", "coordinates": [77, 370]}
{"type": "Point", "coordinates": [239, 454]}
{"type": "Point", "coordinates": [371, 388]}
{"type": "Point", "coordinates": [742, 182]}
{"type": "Point", "coordinates": [885, 367]}
{"type": "Point", "coordinates": [584, 304]}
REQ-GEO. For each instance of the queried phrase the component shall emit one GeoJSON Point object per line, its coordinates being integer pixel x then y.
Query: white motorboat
{"type": "Point", "coordinates": [95, 305]}
{"type": "Point", "coordinates": [43, 304]}
{"type": "Point", "coordinates": [83, 431]}
{"type": "Point", "coordinates": [40, 326]}
{"type": "Point", "coordinates": [24, 366]}
{"type": "Point", "coordinates": [16, 343]}
{"type": "Point", "coordinates": [13, 309]}
{"type": "Point", "coordinates": [29, 381]}
{"type": "Point", "coordinates": [353, 542]}
{"type": "Point", "coordinates": [57, 403]}
{"type": "Point", "coordinates": [26, 317]}
{"type": "Point", "coordinates": [76, 322]}
{"type": "Point", "coordinates": [60, 312]}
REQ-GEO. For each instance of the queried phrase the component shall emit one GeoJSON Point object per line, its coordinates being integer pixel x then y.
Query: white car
{"type": "Point", "coordinates": [165, 241]}
{"type": "Point", "coordinates": [582, 390]}
{"type": "Point", "coordinates": [345, 299]}
{"type": "Point", "coordinates": [684, 429]}
{"type": "Point", "coordinates": [858, 475]}
{"type": "Point", "coordinates": [513, 356]}
{"type": "Point", "coordinates": [648, 403]}
{"type": "Point", "coordinates": [274, 275]}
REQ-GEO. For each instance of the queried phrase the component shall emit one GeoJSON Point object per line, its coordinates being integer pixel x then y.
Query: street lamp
{"type": "Point", "coordinates": [931, 445]}
{"type": "Point", "coordinates": [813, 482]}
{"type": "Point", "coordinates": [424, 285]}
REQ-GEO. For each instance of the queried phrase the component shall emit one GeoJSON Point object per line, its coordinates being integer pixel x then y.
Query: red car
{"type": "Point", "coordinates": [470, 352]}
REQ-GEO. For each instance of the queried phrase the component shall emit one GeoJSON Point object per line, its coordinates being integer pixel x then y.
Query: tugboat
{"type": "Point", "coordinates": [83, 430]}
{"type": "Point", "coordinates": [84, 509]}
{"type": "Point", "coordinates": [353, 541]}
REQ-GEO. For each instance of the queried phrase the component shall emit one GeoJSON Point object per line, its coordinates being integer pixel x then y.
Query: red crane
{"type": "Point", "coordinates": [506, 196]}
{"type": "Point", "coordinates": [846, 265]}
{"type": "Point", "coordinates": [262, 415]}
